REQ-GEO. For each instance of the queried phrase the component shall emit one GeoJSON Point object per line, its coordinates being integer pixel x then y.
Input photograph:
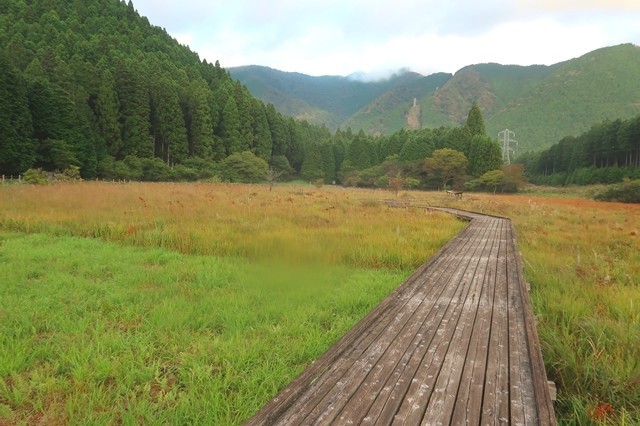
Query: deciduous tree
{"type": "Point", "coordinates": [446, 164]}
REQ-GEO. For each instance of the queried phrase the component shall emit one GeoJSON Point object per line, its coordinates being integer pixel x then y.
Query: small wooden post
{"type": "Point", "coordinates": [553, 392]}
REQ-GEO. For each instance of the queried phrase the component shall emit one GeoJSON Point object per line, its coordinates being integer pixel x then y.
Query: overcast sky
{"type": "Point", "coordinates": [340, 37]}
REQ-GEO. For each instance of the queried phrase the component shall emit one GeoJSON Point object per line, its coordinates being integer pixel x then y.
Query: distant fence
{"type": "Point", "coordinates": [11, 178]}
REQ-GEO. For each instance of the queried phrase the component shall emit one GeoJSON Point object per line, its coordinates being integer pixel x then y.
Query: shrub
{"type": "Point", "coordinates": [154, 170]}
{"type": "Point", "coordinates": [244, 167]}
{"type": "Point", "coordinates": [35, 177]}
{"type": "Point", "coordinates": [626, 192]}
{"type": "Point", "coordinates": [411, 183]}
{"type": "Point", "coordinates": [182, 173]}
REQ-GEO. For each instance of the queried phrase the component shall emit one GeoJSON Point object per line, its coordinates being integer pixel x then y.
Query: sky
{"type": "Point", "coordinates": [380, 37]}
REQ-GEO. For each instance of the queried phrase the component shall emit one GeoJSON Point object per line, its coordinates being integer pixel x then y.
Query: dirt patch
{"type": "Point", "coordinates": [413, 118]}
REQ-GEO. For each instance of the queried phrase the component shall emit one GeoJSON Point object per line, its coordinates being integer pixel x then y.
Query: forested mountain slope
{"type": "Point", "coordinates": [542, 104]}
{"type": "Point", "coordinates": [93, 84]}
{"type": "Point", "coordinates": [329, 100]}
{"type": "Point", "coordinates": [601, 85]}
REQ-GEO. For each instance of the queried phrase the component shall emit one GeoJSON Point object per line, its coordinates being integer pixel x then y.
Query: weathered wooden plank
{"type": "Point", "coordinates": [464, 407]}
{"type": "Point", "coordinates": [388, 400]}
{"type": "Point", "coordinates": [327, 408]}
{"type": "Point", "coordinates": [399, 351]}
{"type": "Point", "coordinates": [391, 346]}
{"type": "Point", "coordinates": [423, 384]}
{"type": "Point", "coordinates": [393, 394]}
{"type": "Point", "coordinates": [445, 396]}
{"type": "Point", "coordinates": [495, 406]}
{"type": "Point", "coordinates": [471, 391]}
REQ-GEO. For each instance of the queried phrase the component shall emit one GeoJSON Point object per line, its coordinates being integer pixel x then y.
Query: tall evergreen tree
{"type": "Point", "coordinates": [328, 162]}
{"type": "Point", "coordinates": [475, 123]}
{"type": "Point", "coordinates": [277, 129]}
{"type": "Point", "coordinates": [484, 155]}
{"type": "Point", "coordinates": [360, 153]}
{"type": "Point", "coordinates": [17, 148]}
{"type": "Point", "coordinates": [231, 125]}
{"type": "Point", "coordinates": [244, 106]}
{"type": "Point", "coordinates": [313, 165]}
{"type": "Point", "coordinates": [54, 126]}
{"type": "Point", "coordinates": [261, 144]}
{"type": "Point", "coordinates": [394, 143]}
{"type": "Point", "coordinates": [417, 147]}
{"type": "Point", "coordinates": [295, 149]}
{"type": "Point", "coordinates": [134, 114]}
{"type": "Point", "coordinates": [105, 107]}
{"type": "Point", "coordinates": [167, 123]}
{"type": "Point", "coordinates": [198, 120]}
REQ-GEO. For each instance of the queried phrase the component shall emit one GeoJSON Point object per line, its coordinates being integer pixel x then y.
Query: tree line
{"type": "Point", "coordinates": [92, 86]}
{"type": "Point", "coordinates": [606, 153]}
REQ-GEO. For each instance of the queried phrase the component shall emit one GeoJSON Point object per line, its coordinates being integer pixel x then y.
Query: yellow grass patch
{"type": "Point", "coordinates": [328, 224]}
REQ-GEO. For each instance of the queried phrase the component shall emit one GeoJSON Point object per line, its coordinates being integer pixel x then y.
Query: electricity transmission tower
{"type": "Point", "coordinates": [506, 137]}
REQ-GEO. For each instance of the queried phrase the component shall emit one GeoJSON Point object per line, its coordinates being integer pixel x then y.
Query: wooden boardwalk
{"type": "Point", "coordinates": [455, 344]}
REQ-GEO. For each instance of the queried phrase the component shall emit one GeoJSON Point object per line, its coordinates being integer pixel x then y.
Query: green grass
{"type": "Point", "coordinates": [95, 333]}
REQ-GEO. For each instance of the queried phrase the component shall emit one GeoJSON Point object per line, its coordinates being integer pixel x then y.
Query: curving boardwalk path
{"type": "Point", "coordinates": [455, 344]}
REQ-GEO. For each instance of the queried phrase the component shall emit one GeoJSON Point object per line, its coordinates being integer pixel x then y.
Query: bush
{"type": "Point", "coordinates": [154, 170]}
{"type": "Point", "coordinates": [244, 167]}
{"type": "Point", "coordinates": [205, 169]}
{"type": "Point", "coordinates": [489, 181]}
{"type": "Point", "coordinates": [35, 177]}
{"type": "Point", "coordinates": [626, 192]}
{"type": "Point", "coordinates": [411, 183]}
{"type": "Point", "coordinates": [382, 182]}
{"type": "Point", "coordinates": [72, 173]}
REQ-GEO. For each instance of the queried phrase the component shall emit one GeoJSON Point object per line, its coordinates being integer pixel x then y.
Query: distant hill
{"type": "Point", "coordinates": [329, 100]}
{"type": "Point", "coordinates": [540, 103]}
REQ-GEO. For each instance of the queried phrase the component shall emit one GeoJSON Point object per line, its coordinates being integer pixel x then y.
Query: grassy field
{"type": "Point", "coordinates": [187, 303]}
{"type": "Point", "coordinates": [184, 304]}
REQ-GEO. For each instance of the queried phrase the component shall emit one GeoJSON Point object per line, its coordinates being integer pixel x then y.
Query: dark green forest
{"type": "Point", "coordinates": [95, 86]}
{"type": "Point", "coordinates": [606, 153]}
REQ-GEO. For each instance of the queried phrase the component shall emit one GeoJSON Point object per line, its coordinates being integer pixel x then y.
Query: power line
{"type": "Point", "coordinates": [506, 137]}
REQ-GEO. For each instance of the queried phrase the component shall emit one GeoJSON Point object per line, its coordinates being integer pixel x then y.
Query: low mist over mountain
{"type": "Point", "coordinates": [540, 103]}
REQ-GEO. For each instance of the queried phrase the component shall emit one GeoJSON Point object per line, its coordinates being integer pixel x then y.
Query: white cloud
{"type": "Point", "coordinates": [376, 36]}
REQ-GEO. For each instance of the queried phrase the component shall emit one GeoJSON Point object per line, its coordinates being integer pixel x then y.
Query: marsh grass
{"type": "Point", "coordinates": [185, 304]}
{"type": "Point", "coordinates": [173, 323]}
{"type": "Point", "coordinates": [303, 224]}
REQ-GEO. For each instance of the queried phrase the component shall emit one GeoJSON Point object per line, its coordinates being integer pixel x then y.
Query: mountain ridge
{"type": "Point", "coordinates": [542, 103]}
